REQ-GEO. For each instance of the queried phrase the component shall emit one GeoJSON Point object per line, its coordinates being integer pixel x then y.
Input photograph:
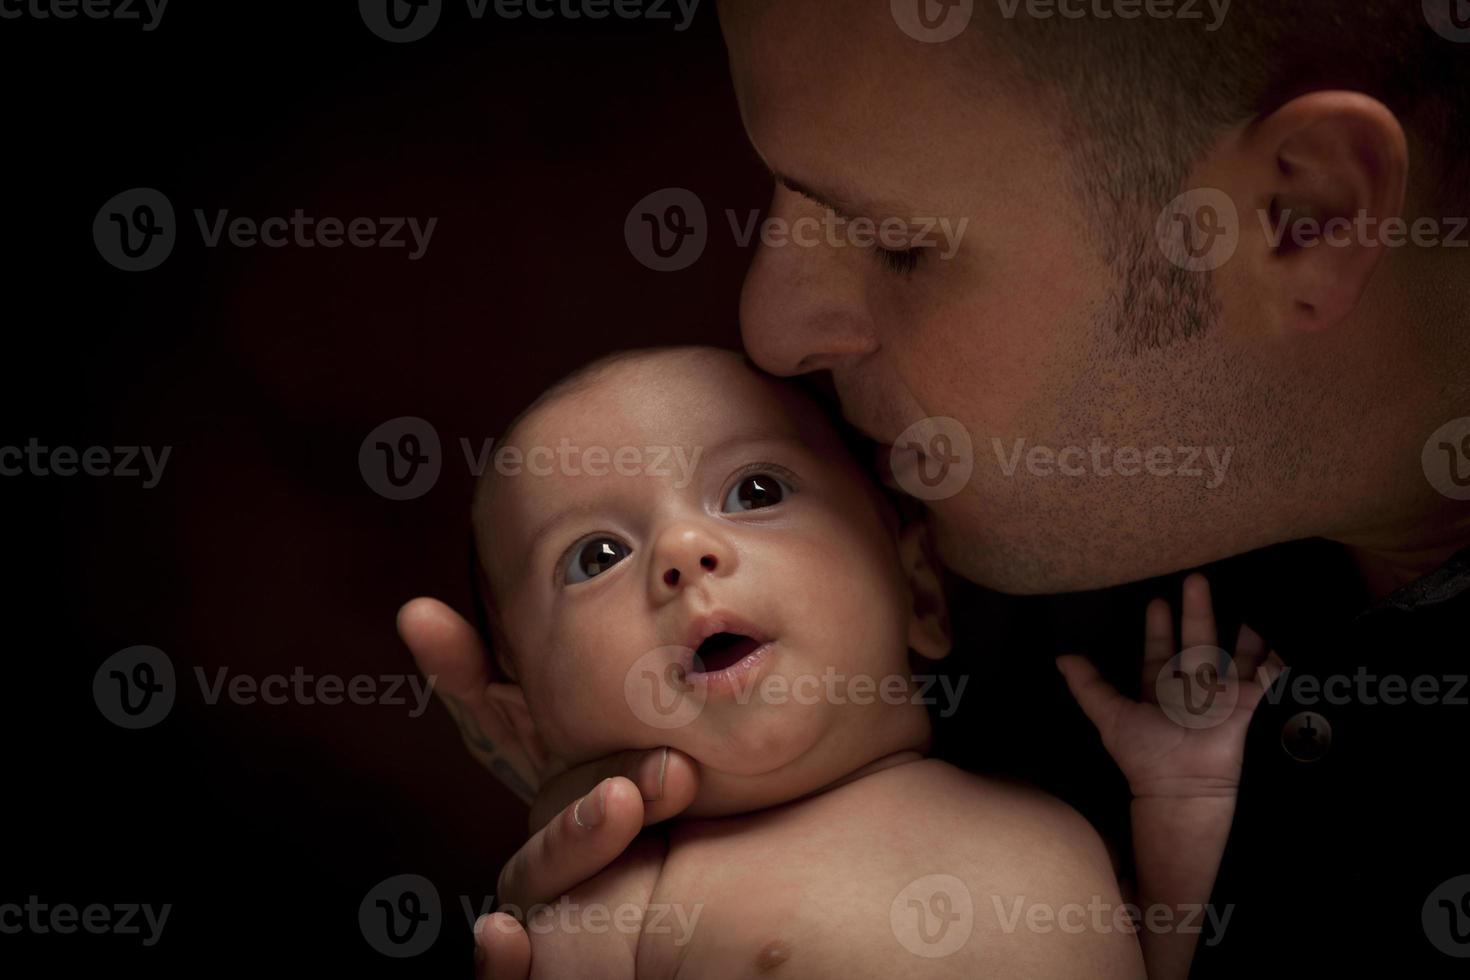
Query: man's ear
{"type": "Point", "coordinates": [1324, 172]}
{"type": "Point", "coordinates": [929, 633]}
{"type": "Point", "coordinates": [509, 702]}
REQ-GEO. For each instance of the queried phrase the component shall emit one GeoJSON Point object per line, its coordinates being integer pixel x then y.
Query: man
{"type": "Point", "coordinates": [1236, 238]}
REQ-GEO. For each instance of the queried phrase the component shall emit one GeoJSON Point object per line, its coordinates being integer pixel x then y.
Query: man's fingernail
{"type": "Point", "coordinates": [480, 924]}
{"type": "Point", "coordinates": [588, 811]}
{"type": "Point", "coordinates": [649, 777]}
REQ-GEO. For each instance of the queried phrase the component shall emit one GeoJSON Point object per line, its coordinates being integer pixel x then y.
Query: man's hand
{"type": "Point", "coordinates": [1185, 737]}
{"type": "Point", "coordinates": [582, 819]}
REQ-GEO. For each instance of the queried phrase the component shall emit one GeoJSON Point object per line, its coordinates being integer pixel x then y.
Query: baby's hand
{"type": "Point", "coordinates": [1186, 736]}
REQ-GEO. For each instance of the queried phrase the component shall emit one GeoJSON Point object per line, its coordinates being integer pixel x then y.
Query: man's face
{"type": "Point", "coordinates": [1016, 334]}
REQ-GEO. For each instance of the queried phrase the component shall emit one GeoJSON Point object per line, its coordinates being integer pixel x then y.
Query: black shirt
{"type": "Point", "coordinates": [1349, 854]}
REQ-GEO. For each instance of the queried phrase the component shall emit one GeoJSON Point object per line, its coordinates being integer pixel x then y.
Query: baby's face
{"type": "Point", "coordinates": [687, 556]}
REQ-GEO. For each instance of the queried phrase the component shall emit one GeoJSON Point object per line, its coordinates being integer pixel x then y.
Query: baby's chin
{"type": "Point", "coordinates": [766, 766]}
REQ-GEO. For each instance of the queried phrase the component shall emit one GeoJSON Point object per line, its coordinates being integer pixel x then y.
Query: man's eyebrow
{"type": "Point", "coordinates": [843, 205]}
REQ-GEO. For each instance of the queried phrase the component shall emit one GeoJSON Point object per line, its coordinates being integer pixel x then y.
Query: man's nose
{"type": "Point", "coordinates": [687, 554]}
{"type": "Point", "coordinates": [802, 307]}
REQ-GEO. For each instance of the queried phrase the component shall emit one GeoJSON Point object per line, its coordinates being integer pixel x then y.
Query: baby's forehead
{"type": "Point", "coordinates": [633, 414]}
{"type": "Point", "coordinates": [681, 397]}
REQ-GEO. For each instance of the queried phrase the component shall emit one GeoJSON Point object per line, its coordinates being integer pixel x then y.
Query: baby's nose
{"type": "Point", "coordinates": [685, 552]}
{"type": "Point", "coordinates": [707, 562]}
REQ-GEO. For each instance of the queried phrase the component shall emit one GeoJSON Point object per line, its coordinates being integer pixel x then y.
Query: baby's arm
{"type": "Point", "coordinates": [1180, 748]}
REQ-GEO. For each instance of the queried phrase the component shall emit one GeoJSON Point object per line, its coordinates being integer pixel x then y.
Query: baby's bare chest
{"type": "Point", "coordinates": [822, 889]}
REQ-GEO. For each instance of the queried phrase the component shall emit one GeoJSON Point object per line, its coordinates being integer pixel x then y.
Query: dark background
{"type": "Point", "coordinates": [263, 549]}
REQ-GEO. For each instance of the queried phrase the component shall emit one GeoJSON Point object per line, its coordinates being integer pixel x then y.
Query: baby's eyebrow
{"type": "Point", "coordinates": [556, 518]}
{"type": "Point", "coordinates": [730, 444]}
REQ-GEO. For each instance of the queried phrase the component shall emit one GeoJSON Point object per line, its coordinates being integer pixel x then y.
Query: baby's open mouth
{"type": "Point", "coordinates": [720, 651]}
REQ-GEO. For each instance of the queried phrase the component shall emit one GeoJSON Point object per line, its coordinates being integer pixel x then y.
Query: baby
{"type": "Point", "coordinates": [679, 551]}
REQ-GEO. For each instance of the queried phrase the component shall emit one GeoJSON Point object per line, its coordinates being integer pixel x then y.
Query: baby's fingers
{"type": "Point", "coordinates": [1197, 623]}
{"type": "Point", "coordinates": [1158, 645]}
{"type": "Point", "coordinates": [1099, 700]}
{"type": "Point", "coordinates": [1250, 652]}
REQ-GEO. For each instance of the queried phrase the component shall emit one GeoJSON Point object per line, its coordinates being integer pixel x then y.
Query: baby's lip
{"type": "Point", "coordinates": [703, 627]}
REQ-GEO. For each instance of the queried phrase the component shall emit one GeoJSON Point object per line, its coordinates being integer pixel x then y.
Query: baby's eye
{"type": "Point", "coordinates": [754, 492]}
{"type": "Point", "coordinates": [593, 557]}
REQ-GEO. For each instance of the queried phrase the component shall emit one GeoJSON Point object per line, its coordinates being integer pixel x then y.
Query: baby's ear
{"type": "Point", "coordinates": [929, 632]}
{"type": "Point", "coordinates": [509, 702]}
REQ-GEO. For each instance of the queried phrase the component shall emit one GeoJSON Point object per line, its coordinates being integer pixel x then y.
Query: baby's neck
{"type": "Point", "coordinates": [877, 765]}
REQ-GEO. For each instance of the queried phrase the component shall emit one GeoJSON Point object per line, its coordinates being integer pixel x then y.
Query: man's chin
{"type": "Point", "coordinates": [1005, 565]}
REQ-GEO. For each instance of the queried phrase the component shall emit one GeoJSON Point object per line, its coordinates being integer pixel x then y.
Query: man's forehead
{"type": "Point", "coordinates": [872, 119]}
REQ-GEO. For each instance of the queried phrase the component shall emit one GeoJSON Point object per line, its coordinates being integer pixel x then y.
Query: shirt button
{"type": "Point", "coordinates": [1306, 737]}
